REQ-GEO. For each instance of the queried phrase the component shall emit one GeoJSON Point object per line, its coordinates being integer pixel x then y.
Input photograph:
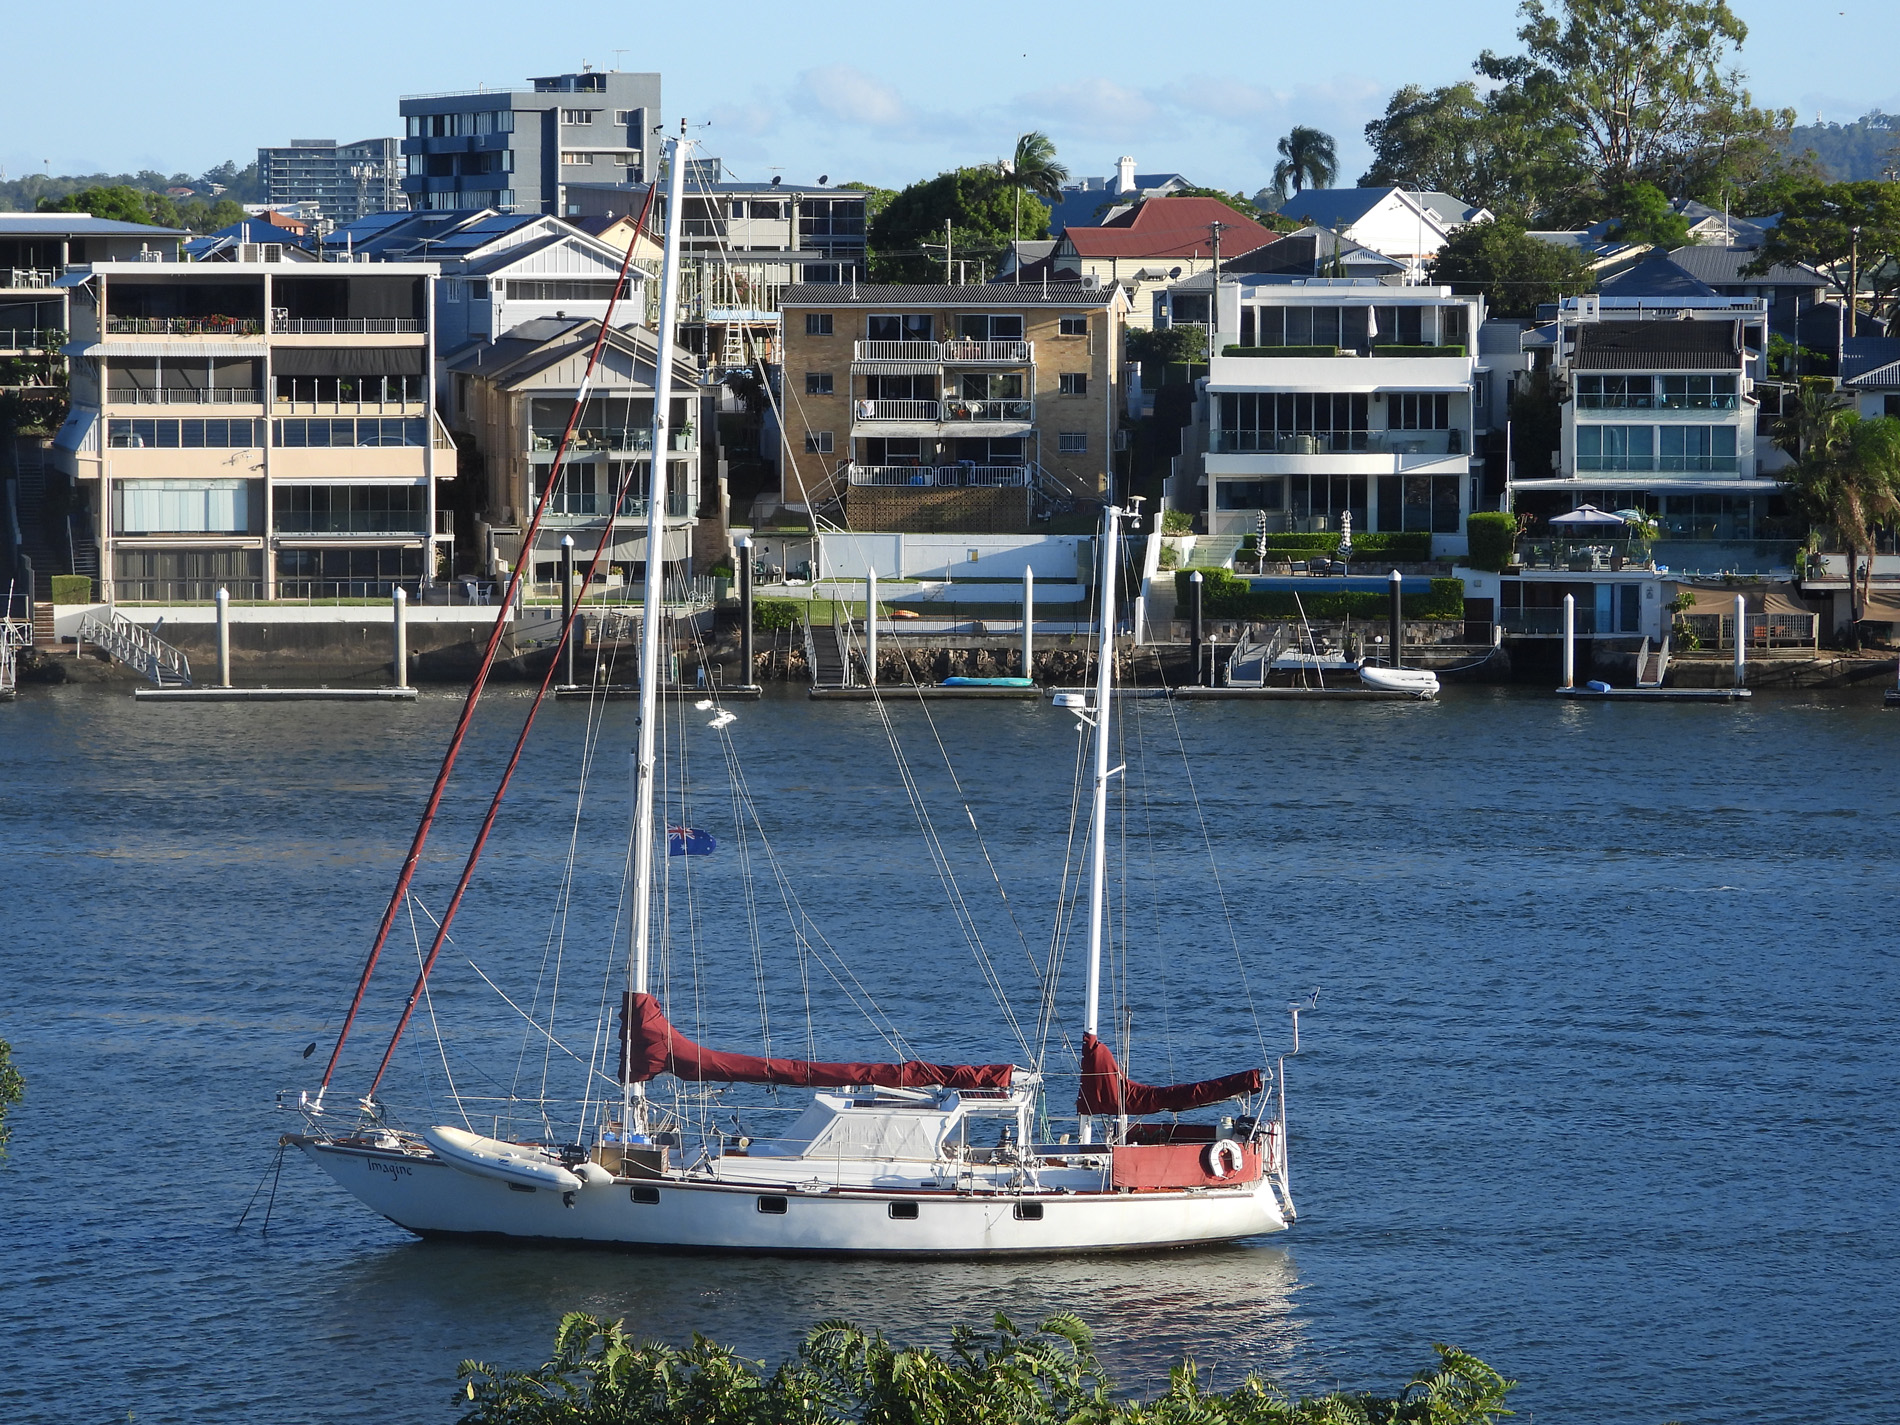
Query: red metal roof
{"type": "Point", "coordinates": [1171, 227]}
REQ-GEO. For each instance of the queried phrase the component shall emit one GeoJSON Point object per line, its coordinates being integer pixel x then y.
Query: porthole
{"type": "Point", "coordinates": [772, 1204]}
{"type": "Point", "coordinates": [1029, 1212]}
{"type": "Point", "coordinates": [645, 1196]}
{"type": "Point", "coordinates": [904, 1211]}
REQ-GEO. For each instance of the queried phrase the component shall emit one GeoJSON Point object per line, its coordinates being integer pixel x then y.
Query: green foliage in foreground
{"type": "Point", "coordinates": [12, 1090]}
{"type": "Point", "coordinates": [1492, 535]}
{"type": "Point", "coordinates": [1225, 595]}
{"type": "Point", "coordinates": [1004, 1376]}
{"type": "Point", "coordinates": [772, 615]}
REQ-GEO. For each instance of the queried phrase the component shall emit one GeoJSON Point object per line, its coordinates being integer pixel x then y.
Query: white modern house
{"type": "Point", "coordinates": [1336, 396]}
{"type": "Point", "coordinates": [1404, 224]}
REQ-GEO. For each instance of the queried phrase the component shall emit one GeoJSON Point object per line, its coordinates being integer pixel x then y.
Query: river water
{"type": "Point", "coordinates": [1601, 1084]}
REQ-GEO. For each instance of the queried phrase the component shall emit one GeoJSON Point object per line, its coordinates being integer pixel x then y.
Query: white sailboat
{"type": "Point", "coordinates": [891, 1159]}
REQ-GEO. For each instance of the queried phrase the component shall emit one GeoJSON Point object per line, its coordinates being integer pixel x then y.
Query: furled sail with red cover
{"type": "Point", "coordinates": [1106, 1089]}
{"type": "Point", "coordinates": [651, 1046]}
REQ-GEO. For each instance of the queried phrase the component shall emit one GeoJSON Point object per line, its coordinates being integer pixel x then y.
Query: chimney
{"type": "Point", "coordinates": [1124, 176]}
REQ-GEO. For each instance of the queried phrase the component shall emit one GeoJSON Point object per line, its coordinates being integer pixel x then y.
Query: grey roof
{"type": "Point", "coordinates": [1881, 378]}
{"type": "Point", "coordinates": [1502, 336]}
{"type": "Point", "coordinates": [76, 225]}
{"type": "Point", "coordinates": [1338, 208]}
{"type": "Point", "coordinates": [1723, 265]}
{"type": "Point", "coordinates": [1657, 346]}
{"type": "Point", "coordinates": [899, 294]}
{"type": "Point", "coordinates": [1866, 357]}
{"type": "Point", "coordinates": [1655, 276]}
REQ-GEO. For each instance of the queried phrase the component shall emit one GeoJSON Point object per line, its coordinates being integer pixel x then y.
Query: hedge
{"type": "Point", "coordinates": [1279, 351]}
{"type": "Point", "coordinates": [1225, 595]}
{"type": "Point", "coordinates": [774, 614]}
{"type": "Point", "coordinates": [1493, 536]}
{"type": "Point", "coordinates": [1452, 349]}
{"type": "Point", "coordinates": [1413, 548]}
{"type": "Point", "coordinates": [72, 589]}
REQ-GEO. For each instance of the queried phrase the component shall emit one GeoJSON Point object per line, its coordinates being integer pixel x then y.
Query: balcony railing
{"type": "Point", "coordinates": [959, 353]}
{"type": "Point", "coordinates": [31, 339]}
{"type": "Point", "coordinates": [346, 326]}
{"type": "Point", "coordinates": [285, 407]}
{"type": "Point", "coordinates": [214, 325]}
{"type": "Point", "coordinates": [1356, 442]}
{"type": "Point", "coordinates": [898, 411]}
{"type": "Point", "coordinates": [988, 410]}
{"type": "Point", "coordinates": [588, 441]}
{"type": "Point", "coordinates": [1652, 464]}
{"type": "Point", "coordinates": [940, 476]}
{"type": "Point", "coordinates": [17, 277]}
{"type": "Point", "coordinates": [174, 396]}
{"type": "Point", "coordinates": [1721, 401]}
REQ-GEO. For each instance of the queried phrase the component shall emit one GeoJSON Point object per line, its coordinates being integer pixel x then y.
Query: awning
{"type": "Point", "coordinates": [347, 361]}
{"type": "Point", "coordinates": [179, 348]}
{"type": "Point", "coordinates": [1106, 1089]}
{"type": "Point", "coordinates": [650, 1046]}
{"type": "Point", "coordinates": [1759, 598]}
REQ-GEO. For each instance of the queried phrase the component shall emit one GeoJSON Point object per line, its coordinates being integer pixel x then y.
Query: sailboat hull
{"type": "Point", "coordinates": [429, 1197]}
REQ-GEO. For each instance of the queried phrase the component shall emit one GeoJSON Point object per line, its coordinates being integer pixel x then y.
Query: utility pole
{"type": "Point", "coordinates": [1853, 283]}
{"type": "Point", "coordinates": [946, 252]}
{"type": "Point", "coordinates": [1213, 302]}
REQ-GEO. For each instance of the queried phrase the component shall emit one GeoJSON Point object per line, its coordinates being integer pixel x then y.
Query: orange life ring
{"type": "Point", "coordinates": [1223, 1159]}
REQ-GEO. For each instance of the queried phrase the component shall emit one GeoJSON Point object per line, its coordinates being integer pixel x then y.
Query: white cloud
{"type": "Point", "coordinates": [851, 96]}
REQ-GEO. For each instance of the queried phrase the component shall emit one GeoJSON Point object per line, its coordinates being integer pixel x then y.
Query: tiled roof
{"type": "Point", "coordinates": [900, 294]}
{"type": "Point", "coordinates": [1171, 227]}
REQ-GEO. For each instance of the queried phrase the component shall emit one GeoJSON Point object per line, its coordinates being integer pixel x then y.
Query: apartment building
{"type": "Point", "coordinates": [1662, 415]}
{"type": "Point", "coordinates": [1329, 397]}
{"type": "Point", "coordinates": [515, 396]}
{"type": "Point", "coordinates": [265, 427]}
{"type": "Point", "coordinates": [923, 408]}
{"type": "Point", "coordinates": [343, 181]}
{"type": "Point", "coordinates": [517, 150]}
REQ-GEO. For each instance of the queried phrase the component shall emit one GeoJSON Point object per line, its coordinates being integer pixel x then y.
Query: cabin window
{"type": "Point", "coordinates": [904, 1211]}
{"type": "Point", "coordinates": [645, 1196]}
{"type": "Point", "coordinates": [1029, 1212]}
{"type": "Point", "coordinates": [774, 1205]}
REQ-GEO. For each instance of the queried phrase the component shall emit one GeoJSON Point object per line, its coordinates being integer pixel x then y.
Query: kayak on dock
{"type": "Point", "coordinates": [989, 682]}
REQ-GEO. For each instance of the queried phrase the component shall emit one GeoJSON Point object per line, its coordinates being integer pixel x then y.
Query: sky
{"type": "Point", "coordinates": [847, 90]}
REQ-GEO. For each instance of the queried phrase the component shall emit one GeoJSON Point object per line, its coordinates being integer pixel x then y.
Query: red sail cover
{"type": "Point", "coordinates": [651, 1046]}
{"type": "Point", "coordinates": [1106, 1089]}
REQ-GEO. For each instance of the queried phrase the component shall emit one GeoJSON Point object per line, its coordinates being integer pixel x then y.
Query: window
{"type": "Point", "coordinates": [1615, 393]}
{"type": "Point", "coordinates": [578, 116]}
{"type": "Point", "coordinates": [908, 327]}
{"type": "Point", "coordinates": [1420, 412]}
{"type": "Point", "coordinates": [181, 506]}
{"type": "Point", "coordinates": [1072, 442]}
{"type": "Point", "coordinates": [818, 324]}
{"type": "Point", "coordinates": [1420, 504]}
{"type": "Point", "coordinates": [645, 1196]}
{"type": "Point", "coordinates": [990, 327]}
{"type": "Point", "coordinates": [774, 1205]}
{"type": "Point", "coordinates": [1699, 393]}
{"type": "Point", "coordinates": [819, 272]}
{"type": "Point", "coordinates": [991, 386]}
{"type": "Point", "coordinates": [904, 1211]}
{"type": "Point", "coordinates": [318, 432]}
{"type": "Point", "coordinates": [310, 390]}
{"type": "Point", "coordinates": [183, 435]}
{"type": "Point", "coordinates": [1074, 383]}
{"type": "Point", "coordinates": [1249, 494]}
{"type": "Point", "coordinates": [817, 442]}
{"type": "Point", "coordinates": [1602, 448]}
{"type": "Point", "coordinates": [350, 509]}
{"type": "Point", "coordinates": [1453, 325]}
{"type": "Point", "coordinates": [1074, 326]}
{"type": "Point", "coordinates": [1695, 447]}
{"type": "Point", "coordinates": [541, 290]}
{"type": "Point", "coordinates": [626, 116]}
{"type": "Point", "coordinates": [573, 159]}
{"type": "Point", "coordinates": [817, 383]}
{"type": "Point", "coordinates": [1260, 422]}
{"type": "Point", "coordinates": [760, 208]}
{"type": "Point", "coordinates": [1028, 1212]}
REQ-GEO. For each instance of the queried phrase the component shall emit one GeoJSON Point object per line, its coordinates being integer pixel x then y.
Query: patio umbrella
{"type": "Point", "coordinates": [1588, 517]}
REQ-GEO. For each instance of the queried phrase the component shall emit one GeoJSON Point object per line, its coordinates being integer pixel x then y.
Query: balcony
{"type": "Point", "coordinates": [898, 410]}
{"type": "Point", "coordinates": [947, 353]}
{"type": "Point", "coordinates": [345, 326]}
{"type": "Point", "coordinates": [951, 412]}
{"type": "Point", "coordinates": [214, 325]}
{"type": "Point", "coordinates": [26, 278]}
{"type": "Point", "coordinates": [591, 440]}
{"type": "Point", "coordinates": [31, 339]}
{"type": "Point", "coordinates": [182, 396]}
{"type": "Point", "coordinates": [1358, 442]}
{"type": "Point", "coordinates": [965, 476]}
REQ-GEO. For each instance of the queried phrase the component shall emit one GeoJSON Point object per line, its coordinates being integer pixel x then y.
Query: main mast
{"type": "Point", "coordinates": [652, 614]}
{"type": "Point", "coordinates": [1098, 816]}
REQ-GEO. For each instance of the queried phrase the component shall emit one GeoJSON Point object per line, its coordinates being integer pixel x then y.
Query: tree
{"type": "Point", "coordinates": [1818, 227]}
{"type": "Point", "coordinates": [1450, 140]}
{"type": "Point", "coordinates": [978, 203]}
{"type": "Point", "coordinates": [1514, 272]}
{"type": "Point", "coordinates": [1003, 1376]}
{"type": "Point", "coordinates": [1636, 91]}
{"type": "Point", "coordinates": [1848, 479]}
{"type": "Point", "coordinates": [1307, 160]}
{"type": "Point", "coordinates": [1034, 170]}
{"type": "Point", "coordinates": [121, 203]}
{"type": "Point", "coordinates": [12, 1090]}
{"type": "Point", "coordinates": [1648, 218]}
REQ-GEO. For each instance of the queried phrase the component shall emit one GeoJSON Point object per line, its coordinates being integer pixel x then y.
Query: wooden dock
{"type": "Point", "coordinates": [1301, 695]}
{"type": "Point", "coordinates": [1656, 695]}
{"type": "Point", "coordinates": [630, 692]}
{"type": "Point", "coordinates": [932, 691]}
{"type": "Point", "coordinates": [275, 695]}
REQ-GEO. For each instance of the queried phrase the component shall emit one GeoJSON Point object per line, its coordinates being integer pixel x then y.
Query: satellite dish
{"type": "Point", "coordinates": [1174, 272]}
{"type": "Point", "coordinates": [823, 179]}
{"type": "Point", "coordinates": [777, 179]}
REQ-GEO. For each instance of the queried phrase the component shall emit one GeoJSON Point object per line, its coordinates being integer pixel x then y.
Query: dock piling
{"type": "Point", "coordinates": [1741, 638]}
{"type": "Point", "coordinates": [1570, 640]}
{"type": "Point", "coordinates": [224, 637]}
{"type": "Point", "coordinates": [743, 547]}
{"type": "Point", "coordinates": [1395, 584]}
{"type": "Point", "coordinates": [1029, 621]}
{"type": "Point", "coordinates": [399, 618]}
{"type": "Point", "coordinates": [567, 608]}
{"type": "Point", "coordinates": [870, 627]}
{"type": "Point", "coordinates": [1196, 627]}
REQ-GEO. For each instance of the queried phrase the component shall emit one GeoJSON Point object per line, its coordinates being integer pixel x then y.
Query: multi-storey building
{"type": "Point", "coordinates": [1334, 396]}
{"type": "Point", "coordinates": [1660, 415]}
{"type": "Point", "coordinates": [344, 181]}
{"type": "Point", "coordinates": [515, 398]}
{"type": "Point", "coordinates": [267, 427]}
{"type": "Point", "coordinates": [517, 150]}
{"type": "Point", "coordinates": [949, 407]}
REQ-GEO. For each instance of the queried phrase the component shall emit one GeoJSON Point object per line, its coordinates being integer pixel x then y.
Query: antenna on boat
{"type": "Point", "coordinates": [652, 613]}
{"type": "Point", "coordinates": [1098, 817]}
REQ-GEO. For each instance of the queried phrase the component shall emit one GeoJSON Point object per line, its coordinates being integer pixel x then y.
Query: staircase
{"type": "Point", "coordinates": [1652, 663]}
{"type": "Point", "coordinates": [1214, 551]}
{"type": "Point", "coordinates": [824, 653]}
{"type": "Point", "coordinates": [29, 503]}
{"type": "Point", "coordinates": [139, 649]}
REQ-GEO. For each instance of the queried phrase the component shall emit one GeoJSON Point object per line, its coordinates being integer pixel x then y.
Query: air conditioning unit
{"type": "Point", "coordinates": [1091, 282]}
{"type": "Point", "coordinates": [273, 252]}
{"type": "Point", "coordinates": [248, 252]}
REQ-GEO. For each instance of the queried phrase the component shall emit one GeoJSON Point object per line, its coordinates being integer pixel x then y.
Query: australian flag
{"type": "Point", "coordinates": [689, 841]}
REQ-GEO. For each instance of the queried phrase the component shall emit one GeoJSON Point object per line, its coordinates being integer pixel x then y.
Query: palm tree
{"type": "Point", "coordinates": [1307, 160]}
{"type": "Point", "coordinates": [1847, 477]}
{"type": "Point", "coordinates": [1034, 170]}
